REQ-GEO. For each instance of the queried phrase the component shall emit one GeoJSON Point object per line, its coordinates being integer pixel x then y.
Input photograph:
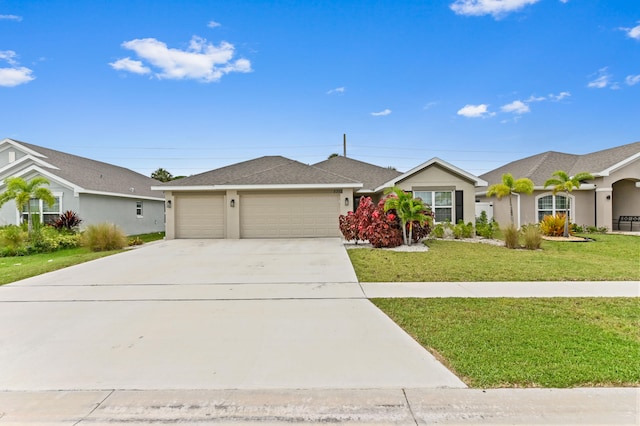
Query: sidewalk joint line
{"type": "Point", "coordinates": [413, 416]}
{"type": "Point", "coordinates": [95, 408]}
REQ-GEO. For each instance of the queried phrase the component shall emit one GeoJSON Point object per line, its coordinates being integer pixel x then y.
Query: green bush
{"type": "Point", "coordinates": [511, 237]}
{"type": "Point", "coordinates": [15, 241]}
{"type": "Point", "coordinates": [443, 230]}
{"type": "Point", "coordinates": [484, 227]}
{"type": "Point", "coordinates": [103, 237]}
{"type": "Point", "coordinates": [463, 231]}
{"type": "Point", "coordinates": [532, 237]}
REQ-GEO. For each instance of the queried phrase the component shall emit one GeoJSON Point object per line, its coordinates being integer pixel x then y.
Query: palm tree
{"type": "Point", "coordinates": [407, 208]}
{"type": "Point", "coordinates": [22, 192]}
{"type": "Point", "coordinates": [510, 186]}
{"type": "Point", "coordinates": [562, 182]}
{"type": "Point", "coordinates": [162, 175]}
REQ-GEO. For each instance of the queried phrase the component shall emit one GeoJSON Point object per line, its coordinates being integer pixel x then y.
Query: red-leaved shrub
{"type": "Point", "coordinates": [370, 222]}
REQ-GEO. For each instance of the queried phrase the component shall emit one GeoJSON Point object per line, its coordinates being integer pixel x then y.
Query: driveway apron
{"type": "Point", "coordinates": [207, 314]}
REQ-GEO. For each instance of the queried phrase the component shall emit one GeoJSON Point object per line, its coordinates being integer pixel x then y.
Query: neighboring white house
{"type": "Point", "coordinates": [96, 191]}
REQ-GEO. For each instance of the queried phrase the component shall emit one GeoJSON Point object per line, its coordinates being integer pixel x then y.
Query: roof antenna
{"type": "Point", "coordinates": [344, 145]}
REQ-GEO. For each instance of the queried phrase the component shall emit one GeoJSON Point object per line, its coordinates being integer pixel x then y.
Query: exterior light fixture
{"type": "Point", "coordinates": [168, 204]}
{"type": "Point", "coordinates": [346, 201]}
{"type": "Point", "coordinates": [608, 197]}
{"type": "Point", "coordinates": [232, 203]}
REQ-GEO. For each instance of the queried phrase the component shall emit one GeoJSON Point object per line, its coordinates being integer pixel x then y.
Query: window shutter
{"type": "Point", "coordinates": [459, 206]}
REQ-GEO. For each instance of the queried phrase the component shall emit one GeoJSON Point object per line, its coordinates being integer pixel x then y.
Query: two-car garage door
{"type": "Point", "coordinates": [284, 214]}
{"type": "Point", "coordinates": [289, 215]}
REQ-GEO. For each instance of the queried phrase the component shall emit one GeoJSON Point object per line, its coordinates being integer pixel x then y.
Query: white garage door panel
{"type": "Point", "coordinates": [199, 216]}
{"type": "Point", "coordinates": [289, 215]}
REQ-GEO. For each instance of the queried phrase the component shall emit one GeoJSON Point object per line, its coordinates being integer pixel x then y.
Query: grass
{"type": "Point", "coordinates": [609, 257]}
{"type": "Point", "coordinates": [21, 267]}
{"type": "Point", "coordinates": [528, 342]}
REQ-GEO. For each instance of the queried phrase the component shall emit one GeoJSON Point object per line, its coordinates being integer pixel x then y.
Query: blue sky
{"type": "Point", "coordinates": [194, 85]}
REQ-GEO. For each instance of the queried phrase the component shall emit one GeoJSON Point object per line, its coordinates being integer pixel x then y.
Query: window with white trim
{"type": "Point", "coordinates": [441, 203]}
{"type": "Point", "coordinates": [47, 214]}
{"type": "Point", "coordinates": [551, 205]}
{"type": "Point", "coordinates": [139, 208]}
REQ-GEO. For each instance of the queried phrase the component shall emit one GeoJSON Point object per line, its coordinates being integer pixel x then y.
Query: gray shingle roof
{"type": "Point", "coordinates": [268, 170]}
{"type": "Point", "coordinates": [92, 175]}
{"type": "Point", "coordinates": [370, 175]}
{"type": "Point", "coordinates": [540, 167]}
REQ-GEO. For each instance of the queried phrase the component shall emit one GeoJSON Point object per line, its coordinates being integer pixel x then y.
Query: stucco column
{"type": "Point", "coordinates": [169, 216]}
{"type": "Point", "coordinates": [347, 193]}
{"type": "Point", "coordinates": [604, 208]}
{"type": "Point", "coordinates": [232, 203]}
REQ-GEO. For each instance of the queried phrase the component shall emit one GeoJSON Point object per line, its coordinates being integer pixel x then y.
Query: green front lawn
{"type": "Point", "coordinates": [528, 342]}
{"type": "Point", "coordinates": [609, 257]}
{"type": "Point", "coordinates": [20, 267]}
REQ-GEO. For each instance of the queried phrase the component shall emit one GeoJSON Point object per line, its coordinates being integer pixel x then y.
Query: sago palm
{"type": "Point", "coordinates": [562, 182]}
{"type": "Point", "coordinates": [510, 186]}
{"type": "Point", "coordinates": [22, 191]}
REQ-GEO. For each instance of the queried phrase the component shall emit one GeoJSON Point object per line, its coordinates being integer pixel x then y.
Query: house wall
{"type": "Point", "coordinates": [9, 213]}
{"type": "Point", "coordinates": [122, 212]}
{"type": "Point", "coordinates": [435, 177]}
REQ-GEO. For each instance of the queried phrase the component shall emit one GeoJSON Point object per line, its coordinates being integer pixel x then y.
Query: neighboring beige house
{"type": "Point", "coordinates": [96, 191]}
{"type": "Point", "coordinates": [275, 197]}
{"type": "Point", "coordinates": [613, 193]}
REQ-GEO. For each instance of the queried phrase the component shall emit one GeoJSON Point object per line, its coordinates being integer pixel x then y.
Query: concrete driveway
{"type": "Point", "coordinates": [207, 314]}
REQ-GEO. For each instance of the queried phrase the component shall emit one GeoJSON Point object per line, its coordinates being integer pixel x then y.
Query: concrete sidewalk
{"type": "Point", "coordinates": [393, 406]}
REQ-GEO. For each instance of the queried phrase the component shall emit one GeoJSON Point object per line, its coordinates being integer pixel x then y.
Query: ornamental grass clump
{"type": "Point", "coordinates": [532, 237]}
{"type": "Point", "coordinates": [104, 237]}
{"type": "Point", "coordinates": [511, 237]}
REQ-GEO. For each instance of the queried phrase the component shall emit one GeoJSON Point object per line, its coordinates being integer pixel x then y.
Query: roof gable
{"type": "Point", "coordinates": [370, 175]}
{"type": "Point", "coordinates": [85, 174]}
{"type": "Point", "coordinates": [434, 161]}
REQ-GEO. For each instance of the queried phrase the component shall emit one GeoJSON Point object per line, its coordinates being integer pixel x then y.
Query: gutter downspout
{"type": "Point", "coordinates": [518, 195]}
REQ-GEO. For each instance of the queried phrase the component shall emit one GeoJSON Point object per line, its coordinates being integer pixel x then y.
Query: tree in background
{"type": "Point", "coordinates": [510, 186]}
{"type": "Point", "coordinates": [562, 182]}
{"type": "Point", "coordinates": [162, 175]}
{"type": "Point", "coordinates": [22, 192]}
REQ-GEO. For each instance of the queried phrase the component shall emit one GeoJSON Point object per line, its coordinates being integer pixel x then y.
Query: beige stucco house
{"type": "Point", "coordinates": [613, 193]}
{"type": "Point", "coordinates": [276, 197]}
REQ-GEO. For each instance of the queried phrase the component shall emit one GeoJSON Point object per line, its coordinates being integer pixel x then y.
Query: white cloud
{"type": "Point", "coordinates": [10, 77]}
{"type": "Point", "coordinates": [476, 111]}
{"type": "Point", "coordinates": [632, 80]}
{"type": "Point", "coordinates": [495, 8]}
{"type": "Point", "coordinates": [560, 96]}
{"type": "Point", "coordinates": [381, 113]}
{"type": "Point", "coordinates": [516, 107]}
{"type": "Point", "coordinates": [533, 98]}
{"type": "Point", "coordinates": [10, 18]}
{"type": "Point", "coordinates": [15, 74]}
{"type": "Point", "coordinates": [633, 33]}
{"type": "Point", "coordinates": [429, 105]}
{"type": "Point", "coordinates": [602, 81]}
{"type": "Point", "coordinates": [336, 90]}
{"type": "Point", "coordinates": [213, 24]}
{"type": "Point", "coordinates": [201, 61]}
{"type": "Point", "coordinates": [564, 1]}
{"type": "Point", "coordinates": [128, 64]}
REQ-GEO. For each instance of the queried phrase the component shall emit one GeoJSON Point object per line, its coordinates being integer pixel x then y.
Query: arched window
{"type": "Point", "coordinates": [549, 204]}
